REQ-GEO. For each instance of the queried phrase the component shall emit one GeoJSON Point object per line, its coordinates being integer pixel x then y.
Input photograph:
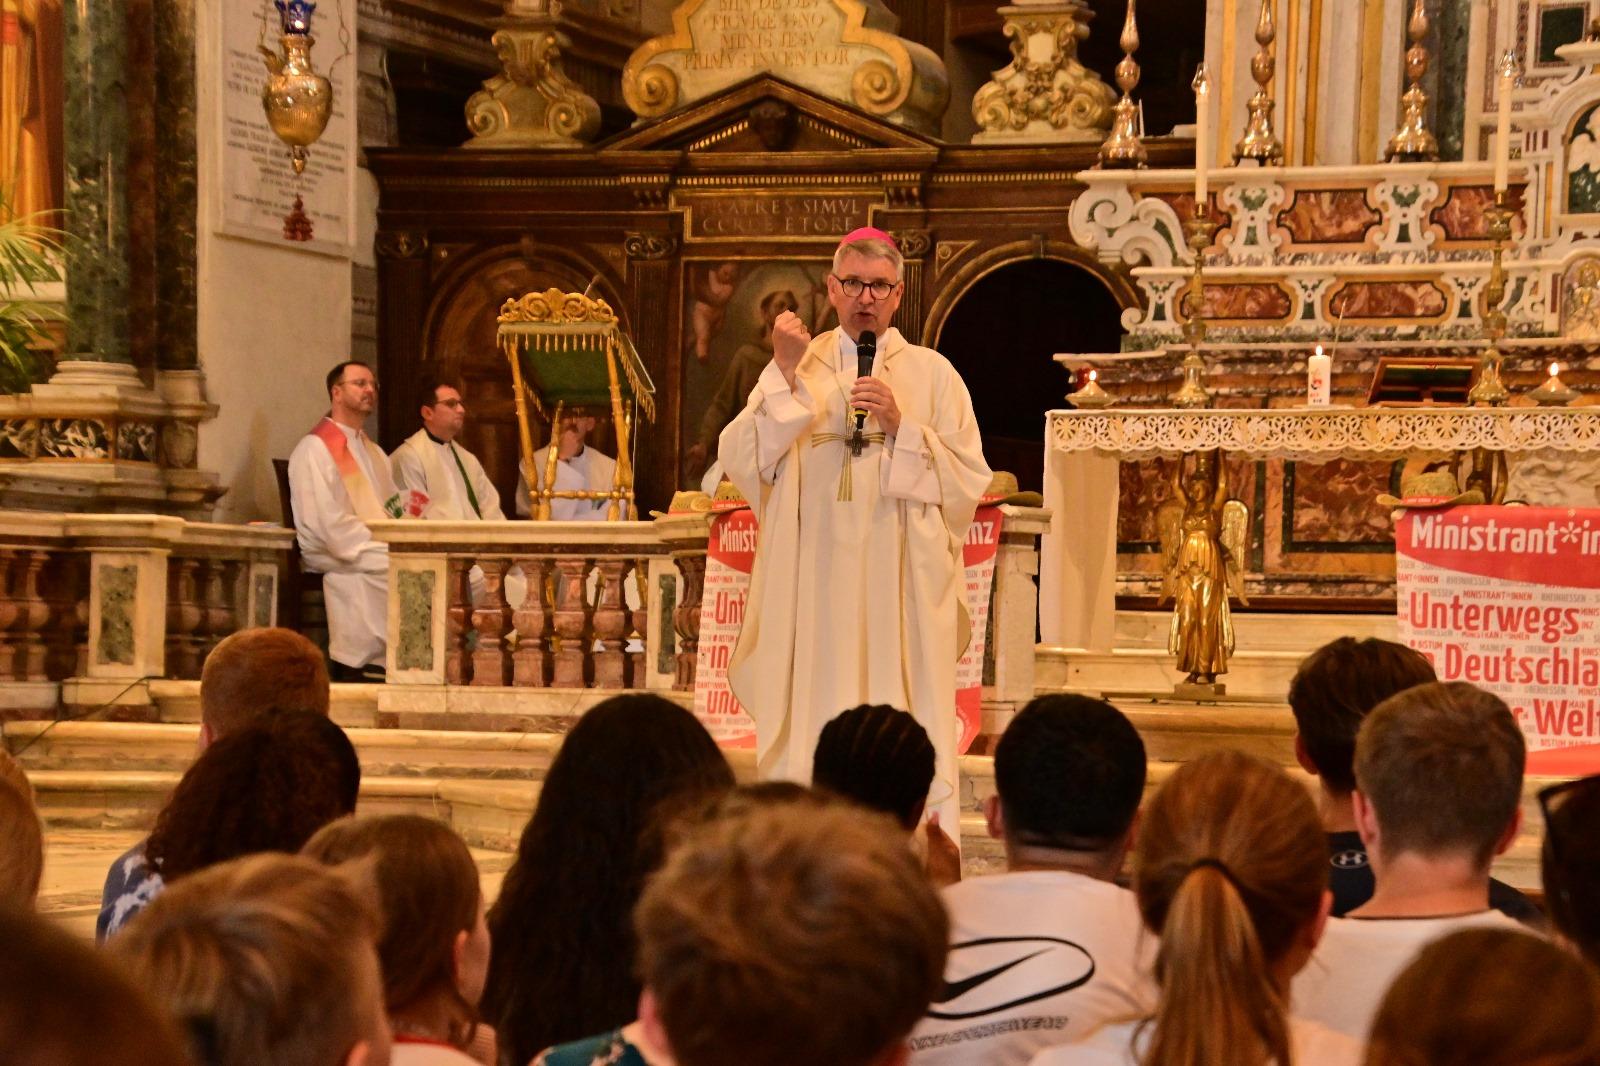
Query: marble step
{"type": "Point", "coordinates": [383, 752]}
{"type": "Point", "coordinates": [1252, 675]}
{"type": "Point", "coordinates": [130, 799]}
{"type": "Point", "coordinates": [1260, 632]}
{"type": "Point", "coordinates": [445, 754]}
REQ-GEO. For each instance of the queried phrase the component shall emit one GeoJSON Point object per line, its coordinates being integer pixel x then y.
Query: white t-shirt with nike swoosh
{"type": "Point", "coordinates": [1037, 958]}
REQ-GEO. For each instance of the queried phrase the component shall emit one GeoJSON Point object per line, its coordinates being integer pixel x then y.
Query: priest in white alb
{"type": "Point", "coordinates": [857, 592]}
{"type": "Point", "coordinates": [580, 467]}
{"type": "Point", "coordinates": [338, 482]}
{"type": "Point", "coordinates": [432, 461]}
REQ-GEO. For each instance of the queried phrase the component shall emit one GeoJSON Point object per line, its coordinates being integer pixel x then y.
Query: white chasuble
{"type": "Point", "coordinates": [857, 593]}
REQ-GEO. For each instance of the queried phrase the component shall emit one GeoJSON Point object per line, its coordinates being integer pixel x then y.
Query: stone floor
{"type": "Point", "coordinates": [76, 861]}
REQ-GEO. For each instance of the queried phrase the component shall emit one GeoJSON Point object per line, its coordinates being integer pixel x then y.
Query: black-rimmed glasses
{"type": "Point", "coordinates": [853, 287]}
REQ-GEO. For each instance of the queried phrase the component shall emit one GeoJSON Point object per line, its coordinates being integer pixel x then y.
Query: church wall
{"type": "Point", "coordinates": [272, 319]}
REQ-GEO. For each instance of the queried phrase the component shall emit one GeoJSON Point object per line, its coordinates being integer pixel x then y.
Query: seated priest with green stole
{"type": "Point", "coordinates": [432, 462]}
{"type": "Point", "coordinates": [338, 482]}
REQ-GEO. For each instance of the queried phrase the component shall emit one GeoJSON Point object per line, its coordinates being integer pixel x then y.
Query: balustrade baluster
{"type": "Point", "coordinates": [458, 599]}
{"type": "Point", "coordinates": [66, 575]}
{"type": "Point", "coordinates": [185, 644]}
{"type": "Point", "coordinates": [531, 660]}
{"type": "Point", "coordinates": [611, 623]}
{"type": "Point", "coordinates": [36, 617]}
{"type": "Point", "coordinates": [218, 602]}
{"type": "Point", "coordinates": [639, 620]}
{"type": "Point", "coordinates": [12, 614]}
{"type": "Point", "coordinates": [491, 664]}
{"type": "Point", "coordinates": [686, 619]}
{"type": "Point", "coordinates": [571, 616]}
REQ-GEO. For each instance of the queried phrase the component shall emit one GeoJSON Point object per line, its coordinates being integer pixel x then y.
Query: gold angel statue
{"type": "Point", "coordinates": [1204, 535]}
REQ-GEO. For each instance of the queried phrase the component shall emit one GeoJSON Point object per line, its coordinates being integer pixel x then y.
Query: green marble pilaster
{"type": "Point", "coordinates": [177, 175]}
{"type": "Point", "coordinates": [1448, 72]}
{"type": "Point", "coordinates": [96, 130]}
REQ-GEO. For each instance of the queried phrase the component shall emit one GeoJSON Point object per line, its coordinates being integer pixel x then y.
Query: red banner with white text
{"type": "Point", "coordinates": [730, 557]}
{"type": "Point", "coordinates": [1508, 598]}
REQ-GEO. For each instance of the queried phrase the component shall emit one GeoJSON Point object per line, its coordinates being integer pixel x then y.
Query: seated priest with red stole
{"type": "Point", "coordinates": [338, 482]}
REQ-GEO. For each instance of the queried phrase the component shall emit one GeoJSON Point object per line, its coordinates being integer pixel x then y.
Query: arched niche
{"type": "Point", "coordinates": [459, 343]}
{"type": "Point", "coordinates": [1002, 320]}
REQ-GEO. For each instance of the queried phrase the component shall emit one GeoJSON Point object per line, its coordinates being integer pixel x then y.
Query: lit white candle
{"type": "Point", "coordinates": [1319, 379]}
{"type": "Point", "coordinates": [1202, 100]}
{"type": "Point", "coordinates": [1502, 133]}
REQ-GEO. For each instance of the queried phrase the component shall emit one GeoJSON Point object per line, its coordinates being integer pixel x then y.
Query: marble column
{"type": "Point", "coordinates": [96, 125]}
{"type": "Point", "coordinates": [1450, 41]}
{"type": "Point", "coordinates": [177, 176]}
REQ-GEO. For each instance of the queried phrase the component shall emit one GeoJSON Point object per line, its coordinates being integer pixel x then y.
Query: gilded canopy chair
{"type": "Point", "coordinates": [569, 356]}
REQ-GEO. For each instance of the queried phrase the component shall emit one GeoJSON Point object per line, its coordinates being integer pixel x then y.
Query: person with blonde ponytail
{"type": "Point", "coordinates": [1231, 874]}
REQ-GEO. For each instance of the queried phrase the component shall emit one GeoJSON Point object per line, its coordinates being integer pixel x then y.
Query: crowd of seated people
{"type": "Point", "coordinates": [1219, 913]}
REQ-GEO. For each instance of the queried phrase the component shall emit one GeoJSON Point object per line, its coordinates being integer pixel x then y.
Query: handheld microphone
{"type": "Point", "coordinates": [866, 351]}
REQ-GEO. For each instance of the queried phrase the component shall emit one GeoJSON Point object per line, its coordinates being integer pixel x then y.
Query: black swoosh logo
{"type": "Point", "coordinates": [955, 989]}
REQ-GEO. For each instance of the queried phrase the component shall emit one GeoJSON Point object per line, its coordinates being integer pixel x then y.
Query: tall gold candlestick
{"type": "Point", "coordinates": [1192, 393]}
{"type": "Point", "coordinates": [1122, 147]}
{"type": "Point", "coordinates": [1413, 142]}
{"type": "Point", "coordinates": [1490, 390]}
{"type": "Point", "coordinates": [1259, 141]}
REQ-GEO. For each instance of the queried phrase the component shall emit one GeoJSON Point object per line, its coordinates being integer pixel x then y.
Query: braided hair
{"type": "Point", "coordinates": [878, 756]}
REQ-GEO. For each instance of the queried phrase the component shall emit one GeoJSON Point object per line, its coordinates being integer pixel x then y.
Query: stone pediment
{"type": "Point", "coordinates": [767, 114]}
{"type": "Point", "coordinates": [843, 49]}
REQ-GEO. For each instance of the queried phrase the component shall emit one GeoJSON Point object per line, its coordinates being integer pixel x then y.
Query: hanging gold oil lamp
{"type": "Point", "coordinates": [297, 99]}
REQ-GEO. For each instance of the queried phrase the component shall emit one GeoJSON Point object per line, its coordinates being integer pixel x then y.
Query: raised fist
{"type": "Point", "coordinates": [790, 338]}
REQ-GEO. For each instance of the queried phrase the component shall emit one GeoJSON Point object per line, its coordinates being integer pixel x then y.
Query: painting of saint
{"type": "Point", "coordinates": [735, 334]}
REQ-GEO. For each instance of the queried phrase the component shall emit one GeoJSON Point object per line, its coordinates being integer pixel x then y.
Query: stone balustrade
{"type": "Point", "coordinates": [98, 603]}
{"type": "Point", "coordinates": [564, 605]}
{"type": "Point", "coordinates": [527, 604]}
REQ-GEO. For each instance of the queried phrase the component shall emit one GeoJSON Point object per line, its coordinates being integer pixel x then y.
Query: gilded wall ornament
{"type": "Point", "coordinates": [650, 245]}
{"type": "Point", "coordinates": [400, 244]}
{"type": "Point", "coordinates": [1045, 94]}
{"type": "Point", "coordinates": [531, 103]}
{"type": "Point", "coordinates": [845, 50]}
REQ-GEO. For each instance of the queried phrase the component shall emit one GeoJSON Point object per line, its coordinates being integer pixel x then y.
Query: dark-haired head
{"type": "Point", "coordinates": [428, 387]}
{"type": "Point", "coordinates": [336, 375]}
{"type": "Point", "coordinates": [563, 963]}
{"type": "Point", "coordinates": [266, 787]}
{"type": "Point", "coordinates": [1336, 687]}
{"type": "Point", "coordinates": [1070, 772]}
{"type": "Point", "coordinates": [1571, 862]}
{"type": "Point", "coordinates": [878, 756]}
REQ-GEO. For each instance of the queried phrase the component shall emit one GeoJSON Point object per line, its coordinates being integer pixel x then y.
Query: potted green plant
{"type": "Point", "coordinates": [31, 255]}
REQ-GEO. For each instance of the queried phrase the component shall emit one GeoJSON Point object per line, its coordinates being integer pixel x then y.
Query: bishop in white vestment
{"type": "Point", "coordinates": [338, 481]}
{"type": "Point", "coordinates": [857, 593]}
